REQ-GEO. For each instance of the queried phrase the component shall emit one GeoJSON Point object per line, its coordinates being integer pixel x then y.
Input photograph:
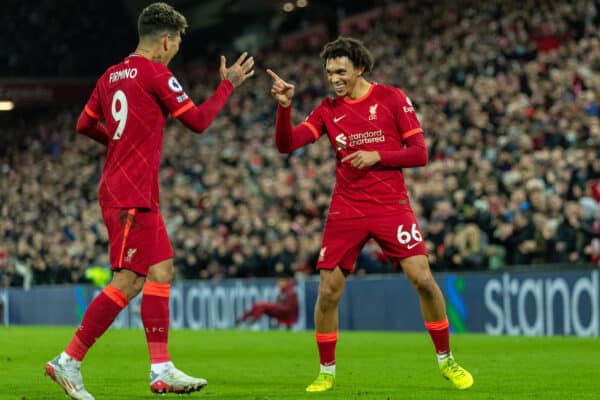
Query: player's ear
{"type": "Point", "coordinates": [164, 42]}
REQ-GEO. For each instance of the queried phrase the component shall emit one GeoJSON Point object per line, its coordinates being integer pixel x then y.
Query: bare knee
{"type": "Point", "coordinates": [330, 292]}
{"type": "Point", "coordinates": [128, 282]}
{"type": "Point", "coordinates": [137, 285]}
{"type": "Point", "coordinates": [162, 272]}
{"type": "Point", "coordinates": [417, 271]}
{"type": "Point", "coordinates": [425, 285]}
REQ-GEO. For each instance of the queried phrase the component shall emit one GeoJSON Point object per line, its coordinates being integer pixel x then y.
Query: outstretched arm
{"type": "Point", "coordinates": [92, 128]}
{"type": "Point", "coordinates": [287, 138]}
{"type": "Point", "coordinates": [198, 118]}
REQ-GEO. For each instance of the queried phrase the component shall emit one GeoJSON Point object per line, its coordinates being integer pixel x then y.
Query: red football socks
{"type": "Point", "coordinates": [440, 334]}
{"type": "Point", "coordinates": [98, 317]}
{"type": "Point", "coordinates": [155, 317]}
{"type": "Point", "coordinates": [326, 343]}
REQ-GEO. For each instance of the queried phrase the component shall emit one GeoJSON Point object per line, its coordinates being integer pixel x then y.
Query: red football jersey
{"type": "Point", "coordinates": [135, 98]}
{"type": "Point", "coordinates": [379, 121]}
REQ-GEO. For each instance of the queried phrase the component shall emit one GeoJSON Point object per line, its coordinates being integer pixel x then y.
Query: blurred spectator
{"type": "Point", "coordinates": [506, 93]}
{"type": "Point", "coordinates": [570, 238]}
{"type": "Point", "coordinates": [470, 246]}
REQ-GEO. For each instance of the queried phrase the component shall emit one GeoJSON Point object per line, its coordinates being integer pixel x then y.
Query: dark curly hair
{"type": "Point", "coordinates": [354, 49]}
{"type": "Point", "coordinates": [160, 18]}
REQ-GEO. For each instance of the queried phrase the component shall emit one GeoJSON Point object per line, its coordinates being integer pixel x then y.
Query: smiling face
{"type": "Point", "coordinates": [343, 76]}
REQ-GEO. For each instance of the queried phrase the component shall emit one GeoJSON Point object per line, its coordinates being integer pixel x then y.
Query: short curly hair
{"type": "Point", "coordinates": [354, 49]}
{"type": "Point", "coordinates": [159, 18]}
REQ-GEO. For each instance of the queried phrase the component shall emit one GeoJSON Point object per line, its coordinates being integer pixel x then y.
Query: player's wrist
{"type": "Point", "coordinates": [226, 82]}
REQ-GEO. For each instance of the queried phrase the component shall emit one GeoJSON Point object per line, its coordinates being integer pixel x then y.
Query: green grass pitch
{"type": "Point", "coordinates": [279, 364]}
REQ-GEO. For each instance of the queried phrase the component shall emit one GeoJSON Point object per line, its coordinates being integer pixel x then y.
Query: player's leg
{"type": "Point", "coordinates": [433, 308]}
{"type": "Point", "coordinates": [271, 310]}
{"type": "Point", "coordinates": [342, 241]}
{"type": "Point", "coordinates": [274, 310]}
{"type": "Point", "coordinates": [285, 315]}
{"type": "Point", "coordinates": [431, 299]}
{"type": "Point", "coordinates": [331, 287]}
{"type": "Point", "coordinates": [102, 311]}
{"type": "Point", "coordinates": [255, 312]}
{"type": "Point", "coordinates": [100, 314]}
{"type": "Point", "coordinates": [154, 258]}
{"type": "Point", "coordinates": [400, 238]}
{"type": "Point", "coordinates": [164, 377]}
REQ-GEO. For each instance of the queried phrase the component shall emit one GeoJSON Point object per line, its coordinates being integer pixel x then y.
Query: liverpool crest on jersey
{"type": "Point", "coordinates": [130, 254]}
{"type": "Point", "coordinates": [373, 112]}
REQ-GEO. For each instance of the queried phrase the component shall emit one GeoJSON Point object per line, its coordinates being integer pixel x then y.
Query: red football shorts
{"type": "Point", "coordinates": [138, 239]}
{"type": "Point", "coordinates": [398, 235]}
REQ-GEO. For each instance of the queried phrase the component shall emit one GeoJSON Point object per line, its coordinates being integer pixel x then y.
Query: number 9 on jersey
{"type": "Point", "coordinates": [119, 112]}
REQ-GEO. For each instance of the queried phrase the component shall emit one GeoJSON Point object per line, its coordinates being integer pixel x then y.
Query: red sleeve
{"type": "Point", "coordinates": [315, 121]}
{"type": "Point", "coordinates": [288, 138]}
{"type": "Point", "coordinates": [198, 118]}
{"type": "Point", "coordinates": [91, 128]}
{"type": "Point", "coordinates": [92, 107]}
{"type": "Point", "coordinates": [414, 155]}
{"type": "Point", "coordinates": [406, 117]}
{"type": "Point", "coordinates": [169, 92]}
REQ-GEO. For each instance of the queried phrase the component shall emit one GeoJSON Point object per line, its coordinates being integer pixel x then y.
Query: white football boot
{"type": "Point", "coordinates": [172, 380]}
{"type": "Point", "coordinates": [67, 374]}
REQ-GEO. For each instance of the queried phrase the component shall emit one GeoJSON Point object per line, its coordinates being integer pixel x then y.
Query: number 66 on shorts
{"type": "Point", "coordinates": [398, 234]}
{"type": "Point", "coordinates": [405, 237]}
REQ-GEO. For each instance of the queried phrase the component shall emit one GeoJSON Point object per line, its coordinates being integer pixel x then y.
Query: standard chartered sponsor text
{"type": "Point", "coordinates": [543, 306]}
{"type": "Point", "coordinates": [356, 139]}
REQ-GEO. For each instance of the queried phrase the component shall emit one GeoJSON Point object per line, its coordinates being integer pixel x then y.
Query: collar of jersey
{"type": "Point", "coordinates": [361, 98]}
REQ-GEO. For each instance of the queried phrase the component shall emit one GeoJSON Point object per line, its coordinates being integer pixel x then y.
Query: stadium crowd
{"type": "Point", "coordinates": [507, 94]}
{"type": "Point", "coordinates": [49, 39]}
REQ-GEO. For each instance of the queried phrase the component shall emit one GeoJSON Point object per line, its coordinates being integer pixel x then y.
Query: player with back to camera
{"type": "Point", "coordinates": [134, 98]}
{"type": "Point", "coordinates": [374, 131]}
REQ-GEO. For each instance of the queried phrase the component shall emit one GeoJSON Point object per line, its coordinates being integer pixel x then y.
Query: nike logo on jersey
{"type": "Point", "coordinates": [338, 119]}
{"type": "Point", "coordinates": [410, 246]}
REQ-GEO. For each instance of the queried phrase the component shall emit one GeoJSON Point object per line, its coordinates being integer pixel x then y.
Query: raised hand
{"type": "Point", "coordinates": [281, 90]}
{"type": "Point", "coordinates": [241, 70]}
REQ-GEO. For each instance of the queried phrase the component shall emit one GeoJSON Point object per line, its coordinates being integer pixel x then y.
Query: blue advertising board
{"type": "Point", "coordinates": [515, 303]}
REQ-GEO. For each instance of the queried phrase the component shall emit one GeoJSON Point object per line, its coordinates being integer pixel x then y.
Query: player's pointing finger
{"type": "Point", "coordinates": [350, 157]}
{"type": "Point", "coordinates": [274, 75]}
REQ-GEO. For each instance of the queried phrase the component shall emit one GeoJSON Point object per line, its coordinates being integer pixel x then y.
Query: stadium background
{"type": "Point", "coordinates": [507, 92]}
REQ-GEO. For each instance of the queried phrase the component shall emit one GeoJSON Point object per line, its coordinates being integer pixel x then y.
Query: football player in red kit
{"type": "Point", "coordinates": [375, 133]}
{"type": "Point", "coordinates": [134, 99]}
{"type": "Point", "coordinates": [284, 310]}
